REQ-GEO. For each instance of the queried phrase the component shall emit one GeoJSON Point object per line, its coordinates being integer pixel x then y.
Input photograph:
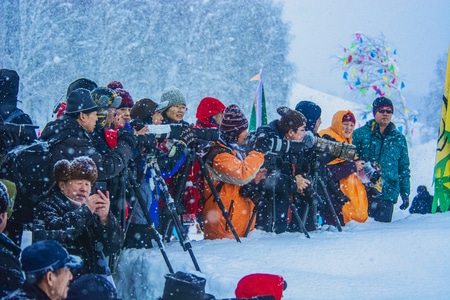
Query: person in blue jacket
{"type": "Point", "coordinates": [380, 142]}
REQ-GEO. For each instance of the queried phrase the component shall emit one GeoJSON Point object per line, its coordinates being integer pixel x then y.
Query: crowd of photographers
{"type": "Point", "coordinates": [147, 167]}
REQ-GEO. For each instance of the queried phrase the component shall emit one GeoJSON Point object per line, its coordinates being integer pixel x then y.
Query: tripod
{"type": "Point", "coordinates": [317, 181]}
{"type": "Point", "coordinates": [273, 209]}
{"type": "Point", "coordinates": [192, 156]}
{"type": "Point", "coordinates": [152, 164]}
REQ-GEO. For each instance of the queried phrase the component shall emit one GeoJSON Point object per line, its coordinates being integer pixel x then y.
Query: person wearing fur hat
{"type": "Point", "coordinates": [230, 168]}
{"type": "Point", "coordinates": [77, 135]}
{"type": "Point", "coordinates": [273, 193]}
{"type": "Point", "coordinates": [346, 173]}
{"type": "Point", "coordinates": [85, 224]}
{"type": "Point", "coordinates": [11, 277]}
{"type": "Point", "coordinates": [379, 141]}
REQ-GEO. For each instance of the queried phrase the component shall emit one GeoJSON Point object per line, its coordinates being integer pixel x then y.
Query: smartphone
{"type": "Point", "coordinates": [100, 185]}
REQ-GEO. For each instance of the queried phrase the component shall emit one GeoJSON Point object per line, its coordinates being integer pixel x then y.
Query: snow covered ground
{"type": "Point", "coordinates": [406, 259]}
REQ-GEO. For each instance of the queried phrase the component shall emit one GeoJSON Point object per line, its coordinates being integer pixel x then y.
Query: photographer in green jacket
{"type": "Point", "coordinates": [380, 142]}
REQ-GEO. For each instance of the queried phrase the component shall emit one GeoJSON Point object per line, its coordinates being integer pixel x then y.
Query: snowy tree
{"type": "Point", "coordinates": [202, 47]}
{"type": "Point", "coordinates": [431, 104]}
{"type": "Point", "coordinates": [370, 68]}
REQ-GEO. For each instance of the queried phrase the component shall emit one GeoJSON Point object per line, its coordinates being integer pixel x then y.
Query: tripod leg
{"type": "Point", "coordinates": [301, 225]}
{"type": "Point", "coordinates": [330, 205]}
{"type": "Point", "coordinates": [155, 234]}
{"type": "Point", "coordinates": [218, 200]}
{"type": "Point", "coordinates": [184, 239]}
{"type": "Point", "coordinates": [252, 219]}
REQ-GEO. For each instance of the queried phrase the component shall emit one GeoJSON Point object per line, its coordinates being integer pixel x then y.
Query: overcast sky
{"type": "Point", "coordinates": [419, 30]}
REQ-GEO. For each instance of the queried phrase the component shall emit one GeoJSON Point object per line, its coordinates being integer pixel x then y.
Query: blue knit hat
{"type": "Point", "coordinates": [311, 111]}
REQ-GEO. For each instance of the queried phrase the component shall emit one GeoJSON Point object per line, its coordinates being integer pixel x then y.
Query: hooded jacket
{"type": "Point", "coordinates": [234, 170]}
{"type": "Point", "coordinates": [344, 173]}
{"type": "Point", "coordinates": [390, 151]}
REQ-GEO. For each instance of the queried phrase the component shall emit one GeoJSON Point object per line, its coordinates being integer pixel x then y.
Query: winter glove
{"type": "Point", "coordinates": [187, 136]}
{"type": "Point", "coordinates": [405, 203]}
{"type": "Point", "coordinates": [309, 139]}
{"type": "Point", "coordinates": [127, 137]}
{"type": "Point", "coordinates": [371, 173]}
{"type": "Point", "coordinates": [263, 144]}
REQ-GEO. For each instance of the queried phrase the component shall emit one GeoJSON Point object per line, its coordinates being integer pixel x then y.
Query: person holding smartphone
{"type": "Point", "coordinates": [81, 221]}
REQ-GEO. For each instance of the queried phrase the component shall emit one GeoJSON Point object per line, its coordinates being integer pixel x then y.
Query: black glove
{"type": "Point", "coordinates": [187, 136]}
{"type": "Point", "coordinates": [263, 144]}
{"type": "Point", "coordinates": [405, 203]}
{"type": "Point", "coordinates": [127, 137]}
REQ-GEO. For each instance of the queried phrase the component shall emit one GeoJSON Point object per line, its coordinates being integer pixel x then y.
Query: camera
{"type": "Point", "coordinates": [173, 131]}
{"type": "Point", "coordinates": [41, 234]}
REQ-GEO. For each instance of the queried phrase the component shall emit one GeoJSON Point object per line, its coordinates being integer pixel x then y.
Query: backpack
{"type": "Point", "coordinates": [30, 168]}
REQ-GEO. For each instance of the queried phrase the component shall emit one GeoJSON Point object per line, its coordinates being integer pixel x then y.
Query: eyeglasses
{"type": "Point", "coordinates": [387, 111]}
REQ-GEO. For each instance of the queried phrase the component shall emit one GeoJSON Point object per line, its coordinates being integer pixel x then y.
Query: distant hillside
{"type": "Point", "coordinates": [328, 103]}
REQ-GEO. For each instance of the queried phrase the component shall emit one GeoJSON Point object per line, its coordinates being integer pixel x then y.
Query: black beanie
{"type": "Point", "coordinates": [9, 87]}
{"type": "Point", "coordinates": [80, 100]}
{"type": "Point", "coordinates": [81, 83]}
{"type": "Point", "coordinates": [381, 102]}
{"type": "Point", "coordinates": [311, 111]}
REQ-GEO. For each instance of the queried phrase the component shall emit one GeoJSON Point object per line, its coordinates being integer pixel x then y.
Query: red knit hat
{"type": "Point", "coordinates": [127, 101]}
{"type": "Point", "coordinates": [115, 85]}
{"type": "Point", "coordinates": [209, 107]}
{"type": "Point", "coordinates": [260, 284]}
{"type": "Point", "coordinates": [349, 117]}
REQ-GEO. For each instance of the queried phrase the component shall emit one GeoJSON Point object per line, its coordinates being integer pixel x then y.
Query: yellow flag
{"type": "Point", "coordinates": [442, 166]}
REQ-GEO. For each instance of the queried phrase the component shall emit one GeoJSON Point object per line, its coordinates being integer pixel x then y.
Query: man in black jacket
{"type": "Point", "coordinates": [73, 129]}
{"type": "Point", "coordinates": [274, 193]}
{"type": "Point", "coordinates": [47, 267]}
{"type": "Point", "coordinates": [82, 222]}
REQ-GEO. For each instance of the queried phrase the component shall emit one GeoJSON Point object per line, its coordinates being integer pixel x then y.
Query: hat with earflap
{"type": "Point", "coordinates": [233, 123]}
{"type": "Point", "coordinates": [80, 101]}
{"type": "Point", "coordinates": [81, 167]}
{"type": "Point", "coordinates": [171, 96]}
{"type": "Point", "coordinates": [290, 119]}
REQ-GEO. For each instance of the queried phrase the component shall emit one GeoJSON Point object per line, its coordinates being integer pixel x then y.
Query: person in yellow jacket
{"type": "Point", "coordinates": [230, 168]}
{"type": "Point", "coordinates": [346, 172]}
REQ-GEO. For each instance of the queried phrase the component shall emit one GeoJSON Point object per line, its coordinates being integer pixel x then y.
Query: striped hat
{"type": "Point", "coordinates": [233, 123]}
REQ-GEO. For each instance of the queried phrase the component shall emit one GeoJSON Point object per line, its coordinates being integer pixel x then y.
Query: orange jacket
{"type": "Point", "coordinates": [351, 186]}
{"type": "Point", "coordinates": [234, 172]}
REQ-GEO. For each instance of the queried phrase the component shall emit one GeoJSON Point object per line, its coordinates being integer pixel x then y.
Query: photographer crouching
{"type": "Point", "coordinates": [322, 200]}
{"type": "Point", "coordinates": [273, 194]}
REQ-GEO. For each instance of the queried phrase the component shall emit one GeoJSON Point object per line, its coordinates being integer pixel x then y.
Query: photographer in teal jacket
{"type": "Point", "coordinates": [380, 142]}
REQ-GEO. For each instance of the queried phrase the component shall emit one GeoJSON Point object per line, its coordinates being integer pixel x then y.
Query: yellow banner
{"type": "Point", "coordinates": [442, 167]}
